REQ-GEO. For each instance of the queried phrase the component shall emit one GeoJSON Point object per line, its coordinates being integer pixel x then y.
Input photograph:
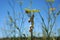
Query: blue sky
{"type": "Point", "coordinates": [37, 4]}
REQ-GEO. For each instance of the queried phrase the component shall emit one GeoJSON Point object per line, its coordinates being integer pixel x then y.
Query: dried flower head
{"type": "Point", "coordinates": [31, 27]}
{"type": "Point", "coordinates": [30, 30]}
{"type": "Point", "coordinates": [29, 20]}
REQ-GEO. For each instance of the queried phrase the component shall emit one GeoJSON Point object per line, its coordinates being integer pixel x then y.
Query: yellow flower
{"type": "Point", "coordinates": [52, 9]}
{"type": "Point", "coordinates": [35, 10]}
{"type": "Point", "coordinates": [50, 0]}
{"type": "Point", "coordinates": [28, 11]}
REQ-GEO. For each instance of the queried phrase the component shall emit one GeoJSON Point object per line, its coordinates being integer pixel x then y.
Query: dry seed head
{"type": "Point", "coordinates": [30, 30]}
{"type": "Point", "coordinates": [29, 20]}
{"type": "Point", "coordinates": [31, 27]}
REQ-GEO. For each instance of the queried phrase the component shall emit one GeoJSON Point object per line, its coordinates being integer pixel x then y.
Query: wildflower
{"type": "Point", "coordinates": [52, 9]}
{"type": "Point", "coordinates": [28, 11]}
{"type": "Point", "coordinates": [35, 10]}
{"type": "Point", "coordinates": [50, 0]}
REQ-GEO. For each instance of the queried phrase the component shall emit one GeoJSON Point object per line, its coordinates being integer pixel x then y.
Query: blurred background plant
{"type": "Point", "coordinates": [52, 15]}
